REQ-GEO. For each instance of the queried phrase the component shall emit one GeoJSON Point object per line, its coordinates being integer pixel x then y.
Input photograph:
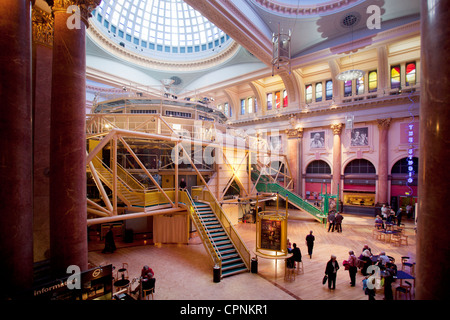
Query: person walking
{"type": "Point", "coordinates": [331, 271]}
{"type": "Point", "coordinates": [310, 243]}
{"type": "Point", "coordinates": [110, 245]}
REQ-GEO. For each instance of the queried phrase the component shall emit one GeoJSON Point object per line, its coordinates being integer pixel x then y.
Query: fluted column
{"type": "Point", "coordinates": [337, 158]}
{"type": "Point", "coordinates": [68, 231]}
{"type": "Point", "coordinates": [433, 225]}
{"type": "Point", "coordinates": [383, 170]}
{"type": "Point", "coordinates": [16, 213]}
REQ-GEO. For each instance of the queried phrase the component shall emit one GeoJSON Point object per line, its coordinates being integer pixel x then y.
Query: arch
{"type": "Point", "coordinates": [318, 167]}
{"type": "Point", "coordinates": [399, 163]}
{"type": "Point", "coordinates": [360, 166]}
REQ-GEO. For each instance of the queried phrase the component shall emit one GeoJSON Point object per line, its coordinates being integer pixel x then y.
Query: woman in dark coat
{"type": "Point", "coordinates": [331, 271]}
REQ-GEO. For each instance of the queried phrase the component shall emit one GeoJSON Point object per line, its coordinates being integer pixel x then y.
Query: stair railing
{"type": "Point", "coordinates": [239, 244]}
{"type": "Point", "coordinates": [210, 246]}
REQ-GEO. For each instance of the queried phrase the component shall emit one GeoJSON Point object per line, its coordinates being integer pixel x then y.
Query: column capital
{"type": "Point", "coordinates": [294, 133]}
{"type": "Point", "coordinates": [384, 123]}
{"type": "Point", "coordinates": [85, 6]}
{"type": "Point", "coordinates": [42, 26]}
{"type": "Point", "coordinates": [337, 128]}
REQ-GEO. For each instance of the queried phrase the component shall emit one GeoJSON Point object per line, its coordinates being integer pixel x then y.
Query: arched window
{"type": "Point", "coordinates": [319, 91]}
{"type": "Point", "coordinates": [373, 81]}
{"type": "Point", "coordinates": [329, 89]}
{"type": "Point", "coordinates": [318, 167]}
{"type": "Point", "coordinates": [395, 77]}
{"type": "Point", "coordinates": [401, 166]}
{"type": "Point", "coordinates": [308, 93]}
{"type": "Point", "coordinates": [411, 74]}
{"type": "Point", "coordinates": [359, 166]}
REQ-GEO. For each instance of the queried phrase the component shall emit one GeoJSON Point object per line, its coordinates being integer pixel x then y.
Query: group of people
{"type": "Point", "coordinates": [335, 221]}
{"type": "Point", "coordinates": [390, 216]}
{"type": "Point", "coordinates": [364, 261]}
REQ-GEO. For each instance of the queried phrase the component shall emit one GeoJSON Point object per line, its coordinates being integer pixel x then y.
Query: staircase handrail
{"type": "Point", "coordinates": [204, 233]}
{"type": "Point", "coordinates": [226, 224]}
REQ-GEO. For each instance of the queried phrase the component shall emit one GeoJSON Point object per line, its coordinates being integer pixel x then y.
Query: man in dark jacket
{"type": "Point", "coordinates": [331, 221]}
{"type": "Point", "coordinates": [338, 222]}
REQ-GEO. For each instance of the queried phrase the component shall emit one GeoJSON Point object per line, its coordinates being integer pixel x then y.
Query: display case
{"type": "Point", "coordinates": [366, 199]}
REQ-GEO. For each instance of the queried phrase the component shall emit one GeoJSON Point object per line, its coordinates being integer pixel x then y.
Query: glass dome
{"type": "Point", "coordinates": [159, 27]}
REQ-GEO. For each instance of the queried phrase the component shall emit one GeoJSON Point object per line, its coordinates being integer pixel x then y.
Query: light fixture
{"type": "Point", "coordinates": [281, 57]}
{"type": "Point", "coordinates": [352, 74]}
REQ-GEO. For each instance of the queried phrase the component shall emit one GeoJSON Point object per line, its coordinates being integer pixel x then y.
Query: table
{"type": "Point", "coordinates": [402, 275]}
{"type": "Point", "coordinates": [122, 283]}
{"type": "Point", "coordinates": [276, 257]}
{"type": "Point", "coordinates": [390, 233]}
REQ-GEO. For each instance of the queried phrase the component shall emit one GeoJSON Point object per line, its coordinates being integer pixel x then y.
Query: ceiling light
{"type": "Point", "coordinates": [352, 74]}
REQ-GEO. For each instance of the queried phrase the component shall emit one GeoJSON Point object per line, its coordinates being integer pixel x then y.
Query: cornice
{"type": "Point", "coordinates": [163, 65]}
{"type": "Point", "coordinates": [304, 10]}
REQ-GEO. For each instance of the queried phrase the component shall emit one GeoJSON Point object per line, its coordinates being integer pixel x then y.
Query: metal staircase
{"type": "Point", "coordinates": [265, 184]}
{"type": "Point", "coordinates": [231, 261]}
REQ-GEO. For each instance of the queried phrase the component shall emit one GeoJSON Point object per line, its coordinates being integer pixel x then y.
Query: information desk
{"type": "Point", "coordinates": [273, 257]}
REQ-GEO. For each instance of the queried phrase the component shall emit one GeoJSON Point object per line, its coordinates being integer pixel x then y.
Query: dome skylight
{"type": "Point", "coordinates": [158, 27]}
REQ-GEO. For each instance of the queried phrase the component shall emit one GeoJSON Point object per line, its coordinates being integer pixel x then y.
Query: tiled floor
{"type": "Point", "coordinates": [186, 271]}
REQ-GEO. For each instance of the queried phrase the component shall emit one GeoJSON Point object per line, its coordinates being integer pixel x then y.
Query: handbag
{"type": "Point", "coordinates": [325, 278]}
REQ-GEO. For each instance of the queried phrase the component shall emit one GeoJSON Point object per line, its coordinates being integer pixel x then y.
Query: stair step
{"type": "Point", "coordinates": [235, 265]}
{"type": "Point", "coordinates": [231, 260]}
{"type": "Point", "coordinates": [224, 252]}
{"type": "Point", "coordinates": [228, 273]}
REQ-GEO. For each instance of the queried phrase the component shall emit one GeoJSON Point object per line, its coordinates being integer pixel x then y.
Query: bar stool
{"type": "Point", "coordinates": [122, 273]}
{"type": "Point", "coordinates": [299, 267]}
{"type": "Point", "coordinates": [289, 272]}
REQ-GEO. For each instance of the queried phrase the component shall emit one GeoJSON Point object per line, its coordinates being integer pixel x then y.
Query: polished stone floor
{"type": "Point", "coordinates": [185, 272]}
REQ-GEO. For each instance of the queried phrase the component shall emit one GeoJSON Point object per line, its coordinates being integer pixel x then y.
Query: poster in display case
{"type": "Point", "coordinates": [271, 234]}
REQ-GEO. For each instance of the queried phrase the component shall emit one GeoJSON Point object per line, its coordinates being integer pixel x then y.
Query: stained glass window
{"type": "Point", "coordinates": [348, 88]}
{"type": "Point", "coordinates": [360, 85]}
{"type": "Point", "coordinates": [373, 81]}
{"type": "Point", "coordinates": [285, 99]}
{"type": "Point", "coordinates": [395, 77]}
{"type": "Point", "coordinates": [242, 106]}
{"type": "Point", "coordinates": [269, 101]}
{"type": "Point", "coordinates": [319, 91]}
{"type": "Point", "coordinates": [411, 74]}
{"type": "Point", "coordinates": [278, 99]}
{"type": "Point", "coordinates": [308, 93]}
{"type": "Point", "coordinates": [329, 90]}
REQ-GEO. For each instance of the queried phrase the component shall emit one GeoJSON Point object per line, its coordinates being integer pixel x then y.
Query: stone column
{"type": "Point", "coordinates": [337, 158]}
{"type": "Point", "coordinates": [433, 225]}
{"type": "Point", "coordinates": [16, 218]}
{"type": "Point", "coordinates": [383, 126]}
{"type": "Point", "coordinates": [294, 155]}
{"type": "Point", "coordinates": [42, 31]}
{"type": "Point", "coordinates": [68, 230]}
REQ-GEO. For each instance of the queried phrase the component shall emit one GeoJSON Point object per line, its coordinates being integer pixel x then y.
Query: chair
{"type": "Point", "coordinates": [148, 288]}
{"type": "Point", "coordinates": [396, 239]}
{"type": "Point", "coordinates": [404, 289]}
{"type": "Point", "coordinates": [122, 273]}
{"type": "Point", "coordinates": [405, 264]}
{"type": "Point", "coordinates": [299, 267]}
{"type": "Point", "coordinates": [404, 239]}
